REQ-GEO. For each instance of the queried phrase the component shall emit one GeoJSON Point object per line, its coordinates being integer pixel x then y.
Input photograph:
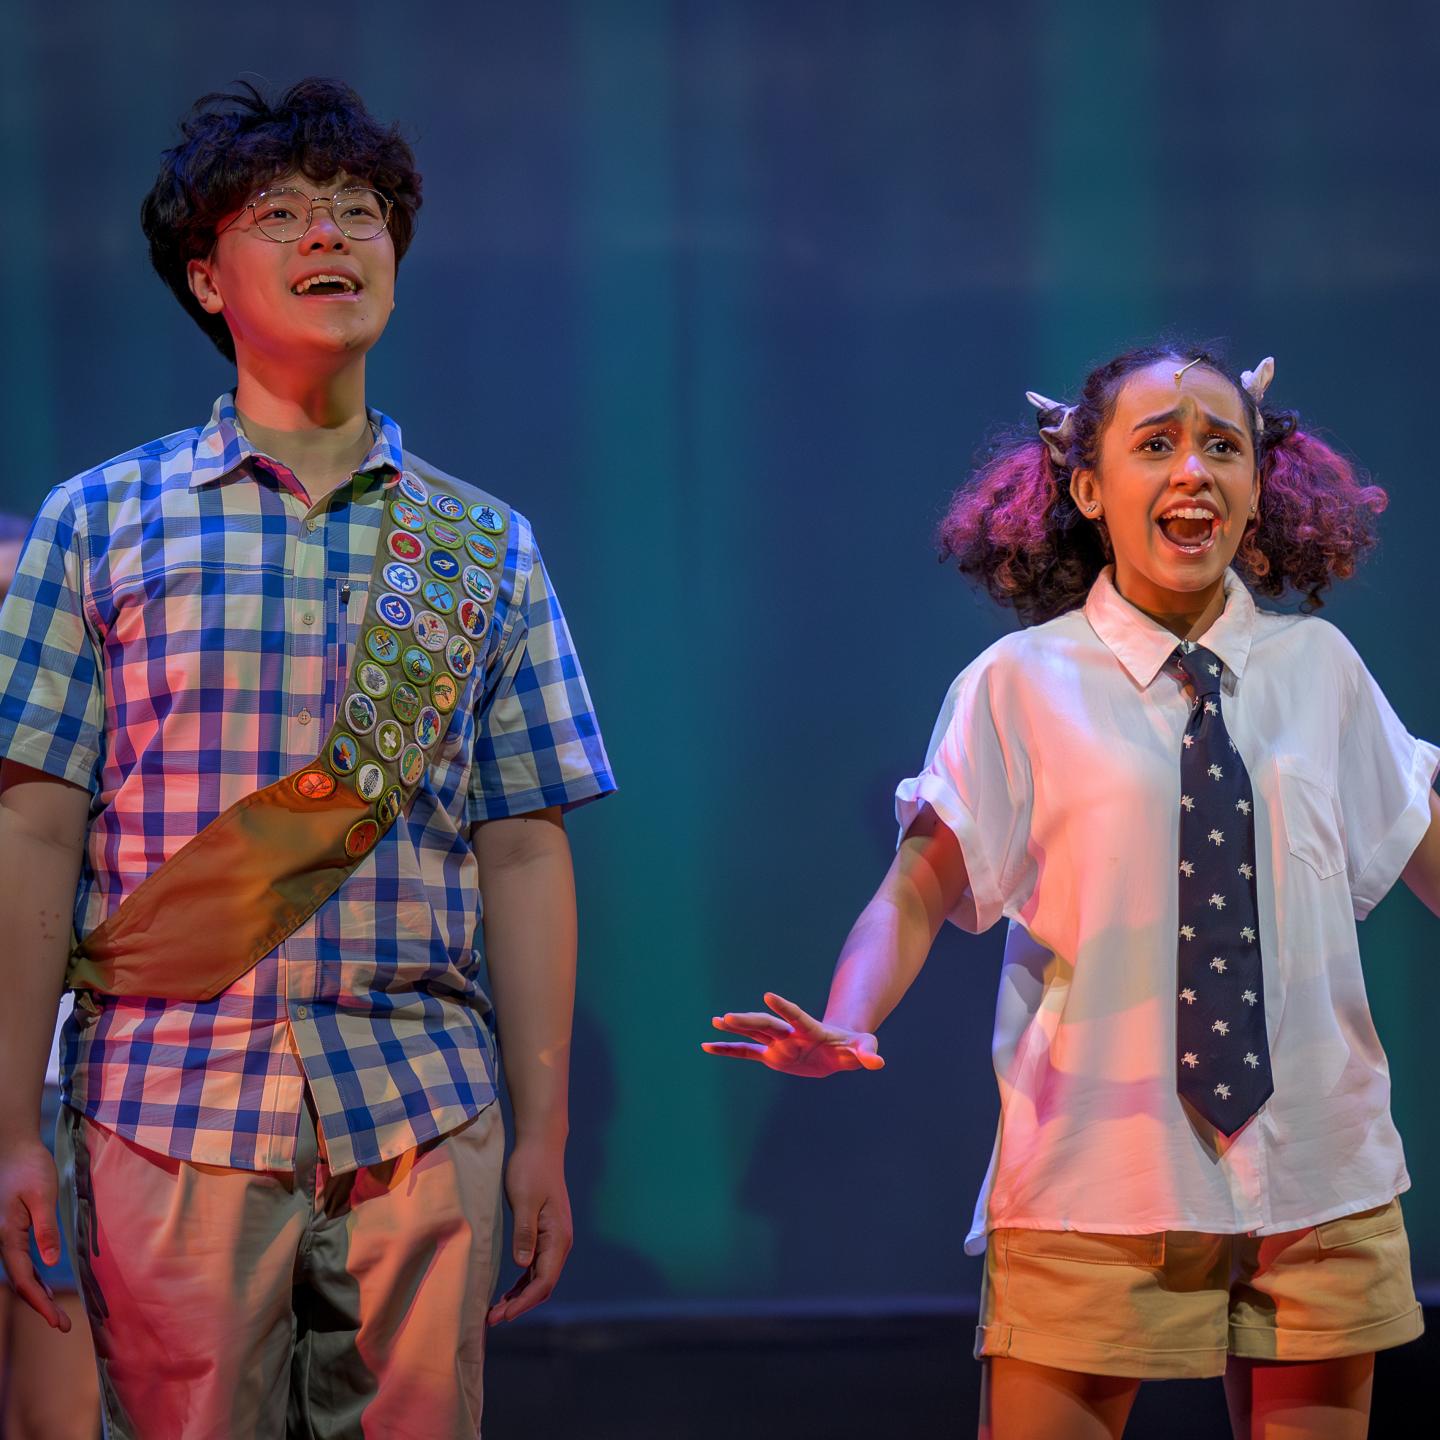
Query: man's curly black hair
{"type": "Point", "coordinates": [236, 142]}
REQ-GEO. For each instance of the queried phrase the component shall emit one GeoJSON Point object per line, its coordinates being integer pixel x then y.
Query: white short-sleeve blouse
{"type": "Point", "coordinates": [1055, 761]}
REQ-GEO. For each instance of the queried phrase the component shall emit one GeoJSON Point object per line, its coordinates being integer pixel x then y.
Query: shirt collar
{"type": "Point", "coordinates": [221, 448]}
{"type": "Point", "coordinates": [1143, 645]}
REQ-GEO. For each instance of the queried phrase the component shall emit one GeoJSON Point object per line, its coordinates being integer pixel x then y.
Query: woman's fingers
{"type": "Point", "coordinates": [755, 1024]}
{"type": "Point", "coordinates": [791, 1012]}
{"type": "Point", "coordinates": [735, 1049]}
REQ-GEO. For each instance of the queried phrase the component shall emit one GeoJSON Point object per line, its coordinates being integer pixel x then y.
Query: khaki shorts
{"type": "Point", "coordinates": [1175, 1305]}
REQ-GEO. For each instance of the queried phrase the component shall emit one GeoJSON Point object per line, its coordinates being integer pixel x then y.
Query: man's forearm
{"type": "Point", "coordinates": [529, 891]}
{"type": "Point", "coordinates": [37, 896]}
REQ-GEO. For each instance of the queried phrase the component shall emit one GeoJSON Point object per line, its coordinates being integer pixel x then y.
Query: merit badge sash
{"type": "Point", "coordinates": [228, 897]}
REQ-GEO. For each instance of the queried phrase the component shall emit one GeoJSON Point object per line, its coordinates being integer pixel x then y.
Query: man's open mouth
{"type": "Point", "coordinates": [315, 285]}
{"type": "Point", "coordinates": [1190, 529]}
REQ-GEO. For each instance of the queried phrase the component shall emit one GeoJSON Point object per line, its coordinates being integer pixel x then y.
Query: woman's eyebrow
{"type": "Point", "coordinates": [1213, 421]}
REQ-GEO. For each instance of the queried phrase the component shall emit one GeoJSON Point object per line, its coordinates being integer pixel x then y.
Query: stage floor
{"type": "Point", "coordinates": [818, 1374]}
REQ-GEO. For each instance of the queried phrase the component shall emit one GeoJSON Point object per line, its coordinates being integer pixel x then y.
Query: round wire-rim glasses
{"type": "Point", "coordinates": [268, 206]}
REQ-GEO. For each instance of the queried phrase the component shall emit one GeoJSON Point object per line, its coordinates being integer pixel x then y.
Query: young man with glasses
{"type": "Point", "coordinates": [278, 702]}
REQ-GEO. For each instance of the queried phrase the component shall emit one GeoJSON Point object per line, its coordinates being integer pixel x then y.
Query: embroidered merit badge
{"type": "Point", "coordinates": [372, 680]}
{"type": "Point", "coordinates": [412, 764]}
{"type": "Point", "coordinates": [412, 489]}
{"type": "Point", "coordinates": [402, 578]}
{"type": "Point", "coordinates": [483, 551]}
{"type": "Point", "coordinates": [446, 535]}
{"type": "Point", "coordinates": [431, 631]}
{"type": "Point", "coordinates": [488, 518]}
{"type": "Point", "coordinates": [344, 754]}
{"type": "Point", "coordinates": [383, 644]}
{"type": "Point", "coordinates": [479, 584]}
{"type": "Point", "coordinates": [443, 564]}
{"type": "Point", "coordinates": [444, 692]}
{"type": "Point", "coordinates": [405, 702]}
{"type": "Point", "coordinates": [417, 665]}
{"type": "Point", "coordinates": [460, 656]}
{"type": "Point", "coordinates": [360, 714]}
{"type": "Point", "coordinates": [362, 837]}
{"type": "Point", "coordinates": [427, 727]}
{"type": "Point", "coordinates": [447, 506]}
{"type": "Point", "coordinates": [404, 547]}
{"type": "Point", "coordinates": [438, 596]}
{"type": "Point", "coordinates": [472, 618]}
{"type": "Point", "coordinates": [388, 739]}
{"type": "Point", "coordinates": [314, 785]}
{"type": "Point", "coordinates": [407, 516]}
{"type": "Point", "coordinates": [395, 611]}
{"type": "Point", "coordinates": [370, 781]}
{"type": "Point", "coordinates": [390, 803]}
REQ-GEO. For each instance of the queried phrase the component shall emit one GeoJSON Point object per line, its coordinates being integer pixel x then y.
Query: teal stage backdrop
{"type": "Point", "coordinates": [725, 294]}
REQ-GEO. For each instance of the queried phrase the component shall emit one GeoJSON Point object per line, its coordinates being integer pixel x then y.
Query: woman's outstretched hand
{"type": "Point", "coordinates": [792, 1041]}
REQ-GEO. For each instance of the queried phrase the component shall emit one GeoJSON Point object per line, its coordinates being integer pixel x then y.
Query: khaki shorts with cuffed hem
{"type": "Point", "coordinates": [1177, 1304]}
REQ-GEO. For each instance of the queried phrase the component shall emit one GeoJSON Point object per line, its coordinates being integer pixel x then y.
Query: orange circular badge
{"type": "Point", "coordinates": [444, 693]}
{"type": "Point", "coordinates": [361, 839]}
{"type": "Point", "coordinates": [314, 785]}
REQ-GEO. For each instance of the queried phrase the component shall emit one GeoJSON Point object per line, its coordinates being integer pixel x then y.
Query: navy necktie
{"type": "Point", "coordinates": [1222, 1051]}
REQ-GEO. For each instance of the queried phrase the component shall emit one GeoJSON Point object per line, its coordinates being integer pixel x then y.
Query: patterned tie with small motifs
{"type": "Point", "coordinates": [1221, 1047]}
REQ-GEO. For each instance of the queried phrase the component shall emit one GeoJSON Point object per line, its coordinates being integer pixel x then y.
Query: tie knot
{"type": "Point", "coordinates": [1202, 666]}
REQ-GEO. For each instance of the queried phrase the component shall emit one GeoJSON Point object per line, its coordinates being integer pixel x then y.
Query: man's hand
{"type": "Point", "coordinates": [28, 1186]}
{"type": "Point", "coordinates": [795, 1042]}
{"type": "Point", "coordinates": [544, 1231]}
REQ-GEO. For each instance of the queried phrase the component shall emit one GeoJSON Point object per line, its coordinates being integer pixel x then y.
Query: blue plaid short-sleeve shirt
{"type": "Point", "coordinates": [178, 635]}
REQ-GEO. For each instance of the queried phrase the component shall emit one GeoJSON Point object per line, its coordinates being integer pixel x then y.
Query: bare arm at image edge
{"type": "Point", "coordinates": [42, 838]}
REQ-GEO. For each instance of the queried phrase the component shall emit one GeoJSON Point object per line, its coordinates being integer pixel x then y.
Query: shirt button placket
{"type": "Point", "coordinates": [307, 638]}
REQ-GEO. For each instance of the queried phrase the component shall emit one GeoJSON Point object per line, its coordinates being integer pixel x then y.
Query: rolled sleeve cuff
{"type": "Point", "coordinates": [568, 796]}
{"type": "Point", "coordinates": [40, 752]}
{"type": "Point", "coordinates": [982, 904]}
{"type": "Point", "coordinates": [1393, 853]}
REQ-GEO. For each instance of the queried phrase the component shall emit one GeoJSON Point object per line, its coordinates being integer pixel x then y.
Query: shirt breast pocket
{"type": "Point", "coordinates": [1310, 815]}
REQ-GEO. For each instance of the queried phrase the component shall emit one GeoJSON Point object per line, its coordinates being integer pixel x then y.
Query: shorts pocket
{"type": "Point", "coordinates": [1347, 1230]}
{"type": "Point", "coordinates": [1309, 812]}
{"type": "Point", "coordinates": [1088, 1248]}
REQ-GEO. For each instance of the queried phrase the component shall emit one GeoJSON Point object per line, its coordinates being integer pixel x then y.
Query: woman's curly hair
{"type": "Point", "coordinates": [1016, 529]}
{"type": "Point", "coordinates": [236, 142]}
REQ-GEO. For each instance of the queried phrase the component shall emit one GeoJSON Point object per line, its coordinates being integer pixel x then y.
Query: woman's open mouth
{"type": "Point", "coordinates": [1189, 529]}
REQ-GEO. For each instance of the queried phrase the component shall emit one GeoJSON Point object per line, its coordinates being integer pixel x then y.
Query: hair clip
{"type": "Point", "coordinates": [1057, 425]}
{"type": "Point", "coordinates": [1257, 381]}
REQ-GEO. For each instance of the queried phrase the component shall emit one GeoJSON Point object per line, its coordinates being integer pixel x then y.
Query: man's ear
{"type": "Point", "coordinates": [203, 286]}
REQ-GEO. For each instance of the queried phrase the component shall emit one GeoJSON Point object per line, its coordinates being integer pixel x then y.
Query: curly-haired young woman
{"type": "Point", "coordinates": [1182, 803]}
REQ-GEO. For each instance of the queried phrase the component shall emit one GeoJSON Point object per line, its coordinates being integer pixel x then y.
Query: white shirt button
{"type": "Point", "coordinates": [312, 524]}
{"type": "Point", "coordinates": [308, 618]}
{"type": "Point", "coordinates": [301, 1012]}
{"type": "Point", "coordinates": [303, 717]}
